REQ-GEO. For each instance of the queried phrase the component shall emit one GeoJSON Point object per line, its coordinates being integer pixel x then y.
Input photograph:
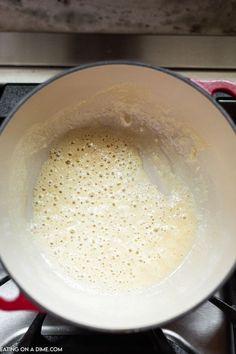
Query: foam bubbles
{"type": "Point", "coordinates": [99, 216]}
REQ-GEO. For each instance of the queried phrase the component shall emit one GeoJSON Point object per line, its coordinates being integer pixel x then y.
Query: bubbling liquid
{"type": "Point", "coordinates": [102, 220]}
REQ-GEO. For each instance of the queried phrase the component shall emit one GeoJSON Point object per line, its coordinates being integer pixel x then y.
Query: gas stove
{"type": "Point", "coordinates": [24, 65]}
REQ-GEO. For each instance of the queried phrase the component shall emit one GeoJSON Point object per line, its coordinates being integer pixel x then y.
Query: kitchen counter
{"type": "Point", "coordinates": [123, 16]}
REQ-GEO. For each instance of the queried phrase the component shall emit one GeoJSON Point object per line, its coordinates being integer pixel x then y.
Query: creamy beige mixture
{"type": "Point", "coordinates": [103, 220]}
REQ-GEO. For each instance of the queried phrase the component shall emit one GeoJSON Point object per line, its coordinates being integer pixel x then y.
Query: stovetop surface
{"type": "Point", "coordinates": [204, 330]}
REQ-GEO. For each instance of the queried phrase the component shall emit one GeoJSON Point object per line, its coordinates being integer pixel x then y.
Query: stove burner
{"type": "Point", "coordinates": [153, 341]}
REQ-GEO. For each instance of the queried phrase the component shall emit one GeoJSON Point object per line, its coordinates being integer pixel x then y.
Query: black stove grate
{"type": "Point", "coordinates": [150, 342]}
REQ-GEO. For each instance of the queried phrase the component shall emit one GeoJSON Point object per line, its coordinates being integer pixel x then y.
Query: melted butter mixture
{"type": "Point", "coordinates": [103, 220]}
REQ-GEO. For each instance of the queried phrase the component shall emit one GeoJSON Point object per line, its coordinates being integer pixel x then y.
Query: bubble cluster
{"type": "Point", "coordinates": [100, 217]}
